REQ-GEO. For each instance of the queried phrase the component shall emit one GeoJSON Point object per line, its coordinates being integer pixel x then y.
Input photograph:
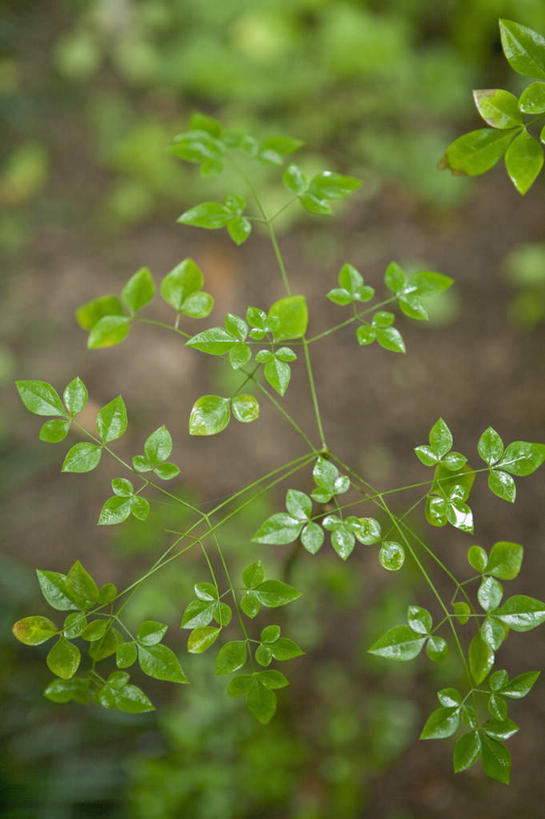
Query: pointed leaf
{"type": "Point", "coordinates": [210, 414]}
{"type": "Point", "coordinates": [161, 663]}
{"type": "Point", "coordinates": [64, 659]}
{"type": "Point", "coordinates": [139, 291]}
{"type": "Point", "coordinates": [400, 643]}
{"type": "Point", "coordinates": [32, 631]}
{"type": "Point", "coordinates": [40, 398]}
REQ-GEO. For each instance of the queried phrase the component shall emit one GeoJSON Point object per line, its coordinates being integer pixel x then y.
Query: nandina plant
{"type": "Point", "coordinates": [260, 344]}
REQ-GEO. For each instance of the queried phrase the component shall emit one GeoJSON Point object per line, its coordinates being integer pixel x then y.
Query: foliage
{"type": "Point", "coordinates": [261, 344]}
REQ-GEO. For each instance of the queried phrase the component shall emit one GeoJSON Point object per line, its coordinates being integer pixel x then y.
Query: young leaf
{"type": "Point", "coordinates": [64, 659]}
{"type": "Point", "coordinates": [109, 331]}
{"type": "Point", "coordinates": [75, 396]}
{"type": "Point", "coordinates": [115, 510]}
{"type": "Point", "coordinates": [490, 446]}
{"type": "Point", "coordinates": [502, 485]}
{"type": "Point", "coordinates": [62, 691]}
{"type": "Point", "coordinates": [524, 49]}
{"type": "Point", "coordinates": [520, 686]}
{"type": "Point", "coordinates": [40, 398]}
{"type": "Point", "coordinates": [436, 649]}
{"type": "Point", "coordinates": [505, 560]}
{"type": "Point", "coordinates": [298, 504]}
{"type": "Point", "coordinates": [32, 631]}
{"type": "Point", "coordinates": [139, 291]}
{"type": "Point", "coordinates": [80, 586]}
{"type": "Point", "coordinates": [245, 408]}
{"type": "Point", "coordinates": [82, 457]}
{"type": "Point", "coordinates": [329, 185]}
{"type": "Point", "coordinates": [419, 619]}
{"type": "Point", "coordinates": [400, 643]}
{"type": "Point", "coordinates": [90, 313]}
{"type": "Point", "coordinates": [278, 530]}
{"type": "Point", "coordinates": [481, 658]}
{"type": "Point", "coordinates": [149, 633]}
{"type": "Point", "coordinates": [210, 414]}
{"type": "Point", "coordinates": [532, 99]}
{"type": "Point", "coordinates": [467, 751]}
{"type": "Point", "coordinates": [130, 699]}
{"type": "Point", "coordinates": [112, 420]}
{"type": "Point", "coordinates": [161, 663]}
{"type": "Point", "coordinates": [274, 593]}
{"type": "Point", "coordinates": [442, 723]}
{"type": "Point", "coordinates": [53, 587]}
{"type": "Point", "coordinates": [54, 431]}
{"type": "Point", "coordinates": [253, 575]}
{"type": "Point", "coordinates": [158, 446]}
{"type": "Point", "coordinates": [498, 108]}
{"type": "Point", "coordinates": [261, 702]}
{"type": "Point", "coordinates": [521, 613]}
{"type": "Point", "coordinates": [524, 161]}
{"type": "Point", "coordinates": [231, 657]}
{"type": "Point", "coordinates": [285, 649]}
{"type": "Point", "coordinates": [478, 151]}
{"type": "Point", "coordinates": [126, 655]}
{"type": "Point", "coordinates": [477, 558]}
{"type": "Point", "coordinates": [209, 215]}
{"type": "Point", "coordinates": [290, 317]}
{"type": "Point", "coordinates": [391, 555]}
{"type": "Point", "coordinates": [278, 374]}
{"type": "Point", "coordinates": [521, 458]}
{"type": "Point", "coordinates": [202, 638]}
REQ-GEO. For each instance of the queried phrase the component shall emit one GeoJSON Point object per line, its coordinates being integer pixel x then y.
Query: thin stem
{"type": "Point", "coordinates": [350, 320]}
{"type": "Point", "coordinates": [314, 395]}
{"type": "Point", "coordinates": [165, 326]}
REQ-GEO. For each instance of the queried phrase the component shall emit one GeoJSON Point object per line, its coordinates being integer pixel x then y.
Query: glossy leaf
{"type": "Point", "coordinates": [40, 398]}
{"type": "Point", "coordinates": [278, 530]}
{"type": "Point", "coordinates": [442, 723]}
{"type": "Point", "coordinates": [139, 291]}
{"type": "Point", "coordinates": [521, 613]}
{"type": "Point", "coordinates": [161, 663]}
{"type": "Point", "coordinates": [498, 108]}
{"type": "Point", "coordinates": [210, 414]}
{"type": "Point", "coordinates": [436, 649]}
{"type": "Point", "coordinates": [32, 631]}
{"type": "Point", "coordinates": [62, 691]}
{"type": "Point", "coordinates": [274, 593]}
{"type": "Point", "coordinates": [476, 152]}
{"type": "Point", "coordinates": [75, 396]}
{"type": "Point", "coordinates": [202, 638]}
{"type": "Point", "coordinates": [467, 751]}
{"type": "Point", "coordinates": [462, 612]}
{"type": "Point", "coordinates": [80, 586]}
{"type": "Point", "coordinates": [149, 633]}
{"type": "Point", "coordinates": [524, 160]}
{"type": "Point", "coordinates": [115, 510]}
{"type": "Point", "coordinates": [109, 331]}
{"type": "Point", "coordinates": [523, 48]}
{"type": "Point", "coordinates": [496, 759]}
{"type": "Point", "coordinates": [290, 316]}
{"type": "Point", "coordinates": [520, 686]}
{"type": "Point", "coordinates": [400, 643]}
{"type": "Point", "coordinates": [392, 555]}
{"type": "Point", "coordinates": [112, 420]}
{"type": "Point", "coordinates": [522, 458]}
{"type": "Point", "coordinates": [82, 457]}
{"type": "Point", "coordinates": [489, 594]}
{"type": "Point", "coordinates": [502, 484]}
{"type": "Point", "coordinates": [532, 99]}
{"type": "Point", "coordinates": [312, 537]}
{"type": "Point", "coordinates": [253, 575]}
{"type": "Point", "coordinates": [278, 375]}
{"type": "Point", "coordinates": [477, 558]}
{"type": "Point", "coordinates": [390, 339]}
{"type": "Point", "coordinates": [54, 431]}
{"type": "Point", "coordinates": [419, 619]}
{"type": "Point", "coordinates": [209, 215]}
{"type": "Point", "coordinates": [261, 702]}
{"type": "Point", "coordinates": [231, 657]}
{"type": "Point", "coordinates": [64, 659]}
{"type": "Point", "coordinates": [505, 560]}
{"type": "Point", "coordinates": [329, 185]}
{"type": "Point", "coordinates": [490, 446]}
{"type": "Point", "coordinates": [481, 658]}
{"type": "Point", "coordinates": [130, 699]}
{"type": "Point", "coordinates": [126, 655]}
{"type": "Point", "coordinates": [90, 313]}
{"type": "Point", "coordinates": [53, 587]}
{"type": "Point", "coordinates": [245, 408]}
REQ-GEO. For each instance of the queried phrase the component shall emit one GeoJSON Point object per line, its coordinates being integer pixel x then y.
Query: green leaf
{"type": "Point", "coordinates": [278, 374]}
{"type": "Point", "coordinates": [498, 108]}
{"type": "Point", "coordinates": [314, 204]}
{"type": "Point", "coordinates": [253, 575]}
{"type": "Point", "coordinates": [181, 288]}
{"type": "Point", "coordinates": [109, 331]}
{"type": "Point", "coordinates": [158, 446]}
{"type": "Point", "coordinates": [250, 604]}
{"type": "Point", "coordinates": [161, 663]}
{"type": "Point", "coordinates": [440, 438]}
{"type": "Point", "coordinates": [419, 619]}
{"type": "Point", "coordinates": [270, 634]}
{"type": "Point", "coordinates": [90, 313]}
{"type": "Point", "coordinates": [505, 560]}
{"type": "Point", "coordinates": [263, 655]}
{"type": "Point", "coordinates": [231, 657]}
{"type": "Point", "coordinates": [496, 759]}
{"type": "Point", "coordinates": [32, 631]}
{"type": "Point", "coordinates": [209, 215]}
{"type": "Point", "coordinates": [115, 510]}
{"type": "Point", "coordinates": [149, 633]}
{"type": "Point", "coordinates": [429, 283]}
{"type": "Point", "coordinates": [436, 649]}
{"type": "Point", "coordinates": [521, 613]}
{"type": "Point", "coordinates": [500, 729]}
{"type": "Point", "coordinates": [53, 587]}
{"type": "Point", "coordinates": [532, 99]}
{"type": "Point", "coordinates": [272, 149]}
{"type": "Point", "coordinates": [139, 291]}
{"type": "Point", "coordinates": [199, 144]}
{"type": "Point", "coordinates": [298, 504]}
{"type": "Point", "coordinates": [342, 540]}
{"type": "Point", "coordinates": [75, 396]}
{"type": "Point", "coordinates": [215, 341]}
{"type": "Point", "coordinates": [64, 659]}
{"type": "Point", "coordinates": [520, 686]}
{"type": "Point", "coordinates": [95, 630]}
{"type": "Point", "coordinates": [329, 185]}
{"type": "Point", "coordinates": [502, 485]}
{"type": "Point", "coordinates": [271, 678]}
{"type": "Point", "coordinates": [54, 431]}
{"type": "Point", "coordinates": [261, 702]}
{"type": "Point", "coordinates": [481, 658]}
{"type": "Point", "coordinates": [490, 593]}
{"type": "Point", "coordinates": [278, 530]}
{"type": "Point", "coordinates": [101, 649]}
{"type": "Point", "coordinates": [166, 472]}
{"type": "Point", "coordinates": [497, 680]}
{"type": "Point", "coordinates": [391, 555]}
{"type": "Point", "coordinates": [290, 317]}
{"type": "Point", "coordinates": [206, 591]}
{"type": "Point", "coordinates": [493, 632]}
{"type": "Point", "coordinates": [112, 420]}
{"type": "Point", "coordinates": [239, 229]}
{"type": "Point", "coordinates": [62, 691]}
{"type": "Point", "coordinates": [400, 643]}
{"type": "Point", "coordinates": [285, 649]}
{"type": "Point", "coordinates": [294, 180]}
{"type": "Point", "coordinates": [366, 334]}
{"type": "Point", "coordinates": [239, 686]}
{"type": "Point", "coordinates": [476, 152]}
{"type": "Point", "coordinates": [40, 398]}
{"type": "Point", "coordinates": [449, 697]}
{"type": "Point", "coordinates": [125, 655]}
{"type": "Point", "coordinates": [477, 558]}
{"type": "Point", "coordinates": [198, 305]}
{"type": "Point", "coordinates": [245, 408]}
{"type": "Point", "coordinates": [274, 593]}
{"type": "Point", "coordinates": [74, 625]}
{"type": "Point", "coordinates": [462, 612]}
{"type": "Point", "coordinates": [202, 638]}
{"type": "Point", "coordinates": [80, 586]}
{"type": "Point", "coordinates": [82, 457]}
{"type": "Point", "coordinates": [198, 613]}
{"type": "Point", "coordinates": [522, 458]}
{"type": "Point", "coordinates": [467, 751]}
{"type": "Point", "coordinates": [390, 339]}
{"type": "Point", "coordinates": [497, 707]}
{"type": "Point", "coordinates": [523, 48]}
{"type": "Point", "coordinates": [130, 699]}
{"type": "Point", "coordinates": [442, 723]}
{"type": "Point", "coordinates": [210, 414]}
{"type": "Point", "coordinates": [524, 161]}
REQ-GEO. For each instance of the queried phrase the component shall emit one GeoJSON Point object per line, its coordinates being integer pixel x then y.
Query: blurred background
{"type": "Point", "coordinates": [91, 94]}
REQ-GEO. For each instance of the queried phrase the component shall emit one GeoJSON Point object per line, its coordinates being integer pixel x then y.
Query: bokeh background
{"type": "Point", "coordinates": [91, 94]}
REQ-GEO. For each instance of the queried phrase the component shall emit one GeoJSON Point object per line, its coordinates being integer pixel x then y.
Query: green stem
{"type": "Point", "coordinates": [350, 320]}
{"type": "Point", "coordinates": [314, 395]}
{"type": "Point", "coordinates": [165, 326]}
